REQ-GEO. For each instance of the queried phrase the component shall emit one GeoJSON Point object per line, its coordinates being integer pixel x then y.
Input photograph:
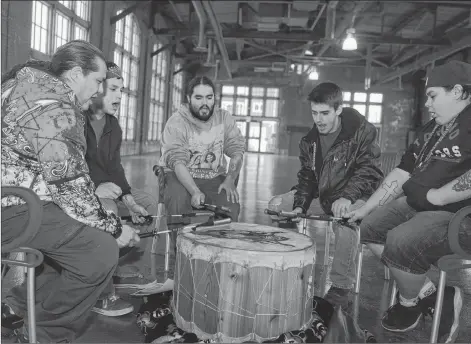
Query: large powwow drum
{"type": "Point", "coordinates": [242, 282]}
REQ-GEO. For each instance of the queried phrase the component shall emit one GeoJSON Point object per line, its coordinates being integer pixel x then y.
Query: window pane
{"type": "Point", "coordinates": [347, 96]}
{"type": "Point", "coordinates": [257, 107]}
{"type": "Point", "coordinates": [253, 145]}
{"type": "Point", "coordinates": [374, 113]}
{"type": "Point", "coordinates": [227, 89]}
{"type": "Point", "coordinates": [118, 37]}
{"type": "Point", "coordinates": [135, 40]}
{"type": "Point", "coordinates": [258, 91]}
{"type": "Point", "coordinates": [40, 27]}
{"type": "Point", "coordinates": [66, 3]}
{"type": "Point", "coordinates": [359, 97]}
{"type": "Point", "coordinates": [117, 57]}
{"type": "Point", "coordinates": [376, 98]}
{"type": "Point", "coordinates": [254, 129]}
{"type": "Point", "coordinates": [242, 106]}
{"type": "Point", "coordinates": [227, 104]}
{"type": "Point", "coordinates": [62, 30]}
{"type": "Point", "coordinates": [273, 92]}
{"type": "Point", "coordinates": [272, 108]}
{"type": "Point", "coordinates": [268, 139]}
{"type": "Point", "coordinates": [134, 76]}
{"type": "Point", "coordinates": [125, 70]}
{"type": "Point", "coordinates": [127, 33]}
{"type": "Point", "coordinates": [80, 32]}
{"type": "Point", "coordinates": [242, 127]}
{"type": "Point", "coordinates": [242, 91]}
{"type": "Point", "coordinates": [83, 9]}
{"type": "Point", "coordinates": [361, 108]}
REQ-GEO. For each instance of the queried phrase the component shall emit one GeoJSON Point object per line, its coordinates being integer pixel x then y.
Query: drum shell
{"type": "Point", "coordinates": [231, 295]}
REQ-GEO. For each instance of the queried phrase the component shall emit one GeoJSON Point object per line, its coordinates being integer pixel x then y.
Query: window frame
{"type": "Point", "coordinates": [53, 9]}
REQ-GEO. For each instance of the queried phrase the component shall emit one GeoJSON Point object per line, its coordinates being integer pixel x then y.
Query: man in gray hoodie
{"type": "Point", "coordinates": [195, 141]}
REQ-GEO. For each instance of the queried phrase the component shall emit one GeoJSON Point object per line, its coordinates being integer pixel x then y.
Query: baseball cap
{"type": "Point", "coordinates": [449, 74]}
{"type": "Point", "coordinates": [113, 71]}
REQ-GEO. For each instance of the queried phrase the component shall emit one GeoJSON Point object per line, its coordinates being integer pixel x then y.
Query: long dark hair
{"type": "Point", "coordinates": [199, 80]}
{"type": "Point", "coordinates": [76, 53]}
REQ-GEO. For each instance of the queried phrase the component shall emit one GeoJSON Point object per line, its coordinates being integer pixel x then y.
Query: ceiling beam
{"type": "Point", "coordinates": [127, 11]}
{"type": "Point", "coordinates": [457, 46]}
{"type": "Point", "coordinates": [408, 18]}
{"type": "Point", "coordinates": [440, 30]}
{"type": "Point", "coordinates": [346, 23]}
{"type": "Point", "coordinates": [306, 36]}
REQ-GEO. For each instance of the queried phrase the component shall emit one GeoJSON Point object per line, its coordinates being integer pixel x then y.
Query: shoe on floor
{"type": "Point", "coordinates": [451, 309]}
{"type": "Point", "coordinates": [10, 320]}
{"type": "Point", "coordinates": [399, 318]}
{"type": "Point", "coordinates": [338, 297]}
{"type": "Point", "coordinates": [113, 306]}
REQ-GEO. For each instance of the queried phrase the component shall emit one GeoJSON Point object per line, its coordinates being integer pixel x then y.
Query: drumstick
{"type": "Point", "coordinates": [148, 217]}
{"type": "Point", "coordinates": [290, 214]}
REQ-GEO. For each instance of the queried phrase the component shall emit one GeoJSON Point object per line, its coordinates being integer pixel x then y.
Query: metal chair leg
{"type": "Point", "coordinates": [31, 301]}
{"type": "Point", "coordinates": [392, 301]}
{"type": "Point", "coordinates": [438, 307]}
{"type": "Point", "coordinates": [359, 266]}
{"type": "Point", "coordinates": [326, 257]}
{"type": "Point", "coordinates": [167, 255]}
{"type": "Point", "coordinates": [386, 273]}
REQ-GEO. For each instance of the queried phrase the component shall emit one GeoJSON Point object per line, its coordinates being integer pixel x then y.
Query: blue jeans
{"type": "Point", "coordinates": [343, 270]}
{"type": "Point", "coordinates": [413, 240]}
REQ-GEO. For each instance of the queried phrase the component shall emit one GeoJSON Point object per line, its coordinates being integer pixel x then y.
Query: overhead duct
{"type": "Point", "coordinates": [201, 47]}
{"type": "Point", "coordinates": [210, 58]}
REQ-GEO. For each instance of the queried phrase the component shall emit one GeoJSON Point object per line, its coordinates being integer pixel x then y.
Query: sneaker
{"type": "Point", "coordinates": [338, 297]}
{"type": "Point", "coordinates": [10, 320]}
{"type": "Point", "coordinates": [451, 309]}
{"type": "Point", "coordinates": [399, 318]}
{"type": "Point", "coordinates": [113, 306]}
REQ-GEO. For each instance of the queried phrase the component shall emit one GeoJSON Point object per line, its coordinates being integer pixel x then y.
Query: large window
{"type": "Point", "coordinates": [256, 111]}
{"type": "Point", "coordinates": [126, 55]}
{"type": "Point", "coordinates": [177, 95]}
{"type": "Point", "coordinates": [157, 93]}
{"type": "Point", "coordinates": [57, 22]}
{"type": "Point", "coordinates": [369, 105]}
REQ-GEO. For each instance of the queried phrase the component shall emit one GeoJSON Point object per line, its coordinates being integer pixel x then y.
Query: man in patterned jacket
{"type": "Point", "coordinates": [43, 149]}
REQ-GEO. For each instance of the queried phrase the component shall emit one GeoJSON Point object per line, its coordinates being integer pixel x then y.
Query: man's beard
{"type": "Point", "coordinates": [196, 113]}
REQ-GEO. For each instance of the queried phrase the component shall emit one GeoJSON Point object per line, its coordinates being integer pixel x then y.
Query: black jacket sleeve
{"type": "Point", "coordinates": [367, 175]}
{"type": "Point", "coordinates": [307, 187]}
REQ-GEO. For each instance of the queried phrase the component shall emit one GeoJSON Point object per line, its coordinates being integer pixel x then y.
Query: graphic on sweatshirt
{"type": "Point", "coordinates": [206, 153]}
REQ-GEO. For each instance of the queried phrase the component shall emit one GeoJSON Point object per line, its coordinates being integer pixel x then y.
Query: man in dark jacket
{"type": "Point", "coordinates": [339, 165]}
{"type": "Point", "coordinates": [405, 222]}
{"type": "Point", "coordinates": [104, 136]}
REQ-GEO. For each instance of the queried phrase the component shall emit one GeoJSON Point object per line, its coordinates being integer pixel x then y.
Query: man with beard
{"type": "Point", "coordinates": [43, 149]}
{"type": "Point", "coordinates": [104, 136]}
{"type": "Point", "coordinates": [195, 130]}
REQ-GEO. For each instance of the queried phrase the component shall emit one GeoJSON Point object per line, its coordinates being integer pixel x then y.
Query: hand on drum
{"type": "Point", "coordinates": [197, 199]}
{"type": "Point", "coordinates": [297, 210]}
{"type": "Point", "coordinates": [341, 206]}
{"type": "Point", "coordinates": [129, 237]}
{"type": "Point", "coordinates": [231, 191]}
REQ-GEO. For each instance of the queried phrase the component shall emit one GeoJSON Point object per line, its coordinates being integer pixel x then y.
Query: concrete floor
{"type": "Point", "coordinates": [263, 176]}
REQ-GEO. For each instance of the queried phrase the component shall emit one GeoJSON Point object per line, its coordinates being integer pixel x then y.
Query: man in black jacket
{"type": "Point", "coordinates": [339, 165]}
{"type": "Point", "coordinates": [405, 222]}
{"type": "Point", "coordinates": [104, 136]}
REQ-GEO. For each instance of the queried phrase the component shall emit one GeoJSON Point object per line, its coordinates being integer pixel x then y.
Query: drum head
{"type": "Point", "coordinates": [249, 237]}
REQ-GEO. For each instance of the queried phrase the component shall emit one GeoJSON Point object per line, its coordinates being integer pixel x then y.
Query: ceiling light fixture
{"type": "Point", "coordinates": [350, 43]}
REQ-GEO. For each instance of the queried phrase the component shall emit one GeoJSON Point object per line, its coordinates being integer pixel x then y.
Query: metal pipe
{"type": "Point", "coordinates": [201, 47]}
{"type": "Point", "coordinates": [219, 37]}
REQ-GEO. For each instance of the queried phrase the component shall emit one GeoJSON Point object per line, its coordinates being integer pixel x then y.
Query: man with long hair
{"type": "Point", "coordinates": [43, 149]}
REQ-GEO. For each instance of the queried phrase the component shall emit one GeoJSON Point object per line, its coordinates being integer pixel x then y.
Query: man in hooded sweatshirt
{"type": "Point", "coordinates": [195, 141]}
